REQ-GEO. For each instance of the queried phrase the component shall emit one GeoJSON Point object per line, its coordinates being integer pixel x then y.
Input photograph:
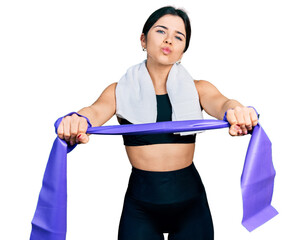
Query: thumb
{"type": "Point", "coordinates": [82, 138]}
{"type": "Point", "coordinates": [235, 130]}
{"type": "Point", "coordinates": [232, 130]}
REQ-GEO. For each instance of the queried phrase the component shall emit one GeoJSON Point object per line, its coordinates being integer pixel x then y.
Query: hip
{"type": "Point", "coordinates": [167, 187]}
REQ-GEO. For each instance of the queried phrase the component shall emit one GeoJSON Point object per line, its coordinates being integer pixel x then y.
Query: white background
{"type": "Point", "coordinates": [58, 56]}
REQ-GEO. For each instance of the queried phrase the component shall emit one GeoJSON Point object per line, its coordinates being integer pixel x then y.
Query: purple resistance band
{"type": "Point", "coordinates": [257, 180]}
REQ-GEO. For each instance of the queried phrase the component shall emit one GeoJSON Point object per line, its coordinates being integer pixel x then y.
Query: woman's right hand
{"type": "Point", "coordinates": [73, 129]}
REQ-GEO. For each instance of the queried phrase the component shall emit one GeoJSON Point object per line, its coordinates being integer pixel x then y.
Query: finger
{"type": "Point", "coordinates": [231, 117]}
{"type": "Point", "coordinates": [239, 130]}
{"type": "Point", "coordinates": [66, 128]}
{"type": "Point", "coordinates": [238, 112]}
{"type": "Point", "coordinates": [248, 124]}
{"type": "Point", "coordinates": [74, 128]}
{"type": "Point", "coordinates": [60, 130]}
{"type": "Point", "coordinates": [82, 138]}
{"type": "Point", "coordinates": [253, 117]}
{"type": "Point", "coordinates": [83, 126]}
{"type": "Point", "coordinates": [244, 131]}
{"type": "Point", "coordinates": [233, 130]}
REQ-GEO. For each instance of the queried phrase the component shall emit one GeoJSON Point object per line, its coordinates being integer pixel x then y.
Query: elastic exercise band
{"type": "Point", "coordinates": [257, 180]}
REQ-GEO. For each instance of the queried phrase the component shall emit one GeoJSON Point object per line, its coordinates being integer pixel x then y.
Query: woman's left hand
{"type": "Point", "coordinates": [242, 120]}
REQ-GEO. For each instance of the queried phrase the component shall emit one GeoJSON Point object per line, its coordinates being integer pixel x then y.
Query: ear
{"type": "Point", "coordinates": [143, 40]}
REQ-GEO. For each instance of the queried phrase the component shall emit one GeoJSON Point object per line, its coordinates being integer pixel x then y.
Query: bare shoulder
{"type": "Point", "coordinates": [109, 91]}
{"type": "Point", "coordinates": [205, 87]}
{"type": "Point", "coordinates": [107, 96]}
{"type": "Point", "coordinates": [111, 87]}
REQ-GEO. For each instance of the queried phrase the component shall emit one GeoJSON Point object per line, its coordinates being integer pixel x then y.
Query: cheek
{"type": "Point", "coordinates": [183, 44]}
{"type": "Point", "coordinates": [155, 39]}
{"type": "Point", "coordinates": [153, 44]}
{"type": "Point", "coordinates": [180, 49]}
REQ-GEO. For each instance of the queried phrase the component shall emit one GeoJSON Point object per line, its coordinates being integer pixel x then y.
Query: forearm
{"type": "Point", "coordinates": [98, 113]}
{"type": "Point", "coordinates": [90, 114]}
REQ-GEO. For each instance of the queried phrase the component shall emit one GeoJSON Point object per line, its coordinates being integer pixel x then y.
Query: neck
{"type": "Point", "coordinates": [159, 74]}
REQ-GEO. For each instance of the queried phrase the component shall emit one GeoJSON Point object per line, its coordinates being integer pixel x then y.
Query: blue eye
{"type": "Point", "coordinates": [179, 38]}
{"type": "Point", "coordinates": [160, 31]}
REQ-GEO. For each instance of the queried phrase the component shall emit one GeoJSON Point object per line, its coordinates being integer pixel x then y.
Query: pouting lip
{"type": "Point", "coordinates": [166, 50]}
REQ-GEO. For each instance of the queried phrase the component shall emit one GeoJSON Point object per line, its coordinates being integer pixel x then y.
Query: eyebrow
{"type": "Point", "coordinates": [167, 29]}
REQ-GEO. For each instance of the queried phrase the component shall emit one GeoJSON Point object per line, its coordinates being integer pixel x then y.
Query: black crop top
{"type": "Point", "coordinates": [164, 112]}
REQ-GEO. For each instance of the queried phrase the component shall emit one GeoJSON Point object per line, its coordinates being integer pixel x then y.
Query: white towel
{"type": "Point", "coordinates": [136, 97]}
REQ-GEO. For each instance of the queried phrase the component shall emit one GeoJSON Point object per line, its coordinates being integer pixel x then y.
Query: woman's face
{"type": "Point", "coordinates": [166, 40]}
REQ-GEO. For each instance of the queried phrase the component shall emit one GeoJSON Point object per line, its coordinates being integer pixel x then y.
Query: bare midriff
{"type": "Point", "coordinates": [161, 157]}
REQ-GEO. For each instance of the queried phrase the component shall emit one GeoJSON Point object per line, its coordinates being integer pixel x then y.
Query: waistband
{"type": "Point", "coordinates": [157, 174]}
{"type": "Point", "coordinates": [165, 187]}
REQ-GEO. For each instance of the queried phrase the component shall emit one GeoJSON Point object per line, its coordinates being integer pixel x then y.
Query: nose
{"type": "Point", "coordinates": [168, 40]}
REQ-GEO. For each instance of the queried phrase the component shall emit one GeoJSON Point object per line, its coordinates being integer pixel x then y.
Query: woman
{"type": "Point", "coordinates": [165, 193]}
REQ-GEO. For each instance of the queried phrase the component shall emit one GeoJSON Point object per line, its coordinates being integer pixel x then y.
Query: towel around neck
{"type": "Point", "coordinates": [136, 98]}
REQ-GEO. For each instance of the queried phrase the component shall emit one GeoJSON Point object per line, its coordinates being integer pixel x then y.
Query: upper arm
{"type": "Point", "coordinates": [210, 98]}
{"type": "Point", "coordinates": [105, 106]}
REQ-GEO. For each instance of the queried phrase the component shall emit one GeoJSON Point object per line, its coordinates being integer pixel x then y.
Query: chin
{"type": "Point", "coordinates": [162, 60]}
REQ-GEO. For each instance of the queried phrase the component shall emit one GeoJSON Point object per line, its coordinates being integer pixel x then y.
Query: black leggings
{"type": "Point", "coordinates": [171, 202]}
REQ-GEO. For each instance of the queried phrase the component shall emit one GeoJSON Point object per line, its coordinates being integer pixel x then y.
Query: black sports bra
{"type": "Point", "coordinates": [164, 112]}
